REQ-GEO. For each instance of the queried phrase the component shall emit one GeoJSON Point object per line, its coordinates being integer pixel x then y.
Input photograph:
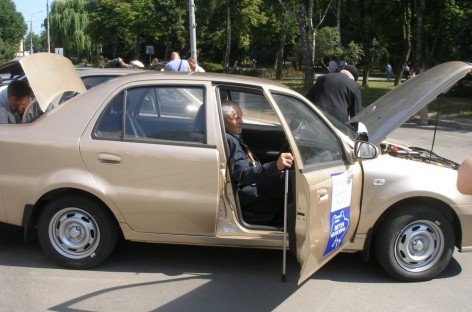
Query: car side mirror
{"type": "Point", "coordinates": [365, 150]}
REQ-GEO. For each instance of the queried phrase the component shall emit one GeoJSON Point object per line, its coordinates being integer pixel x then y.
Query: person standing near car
{"type": "Point", "coordinates": [176, 63]}
{"type": "Point", "coordinates": [338, 94]}
{"type": "Point", "coordinates": [13, 101]}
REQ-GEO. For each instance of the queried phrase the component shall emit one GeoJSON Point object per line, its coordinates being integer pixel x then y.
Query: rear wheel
{"type": "Point", "coordinates": [415, 243]}
{"type": "Point", "coordinates": [76, 232]}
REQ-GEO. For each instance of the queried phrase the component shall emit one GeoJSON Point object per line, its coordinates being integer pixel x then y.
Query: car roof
{"type": "Point", "coordinates": [197, 76]}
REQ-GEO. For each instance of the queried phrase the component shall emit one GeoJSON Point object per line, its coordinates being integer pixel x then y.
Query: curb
{"type": "Point", "coordinates": [449, 123]}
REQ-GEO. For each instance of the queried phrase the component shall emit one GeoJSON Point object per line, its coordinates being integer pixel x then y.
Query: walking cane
{"type": "Point", "coordinates": [284, 252]}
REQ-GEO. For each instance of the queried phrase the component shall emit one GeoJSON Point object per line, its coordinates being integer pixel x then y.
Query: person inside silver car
{"type": "Point", "coordinates": [256, 183]}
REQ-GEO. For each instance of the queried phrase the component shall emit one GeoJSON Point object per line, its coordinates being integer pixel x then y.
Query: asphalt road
{"type": "Point", "coordinates": [451, 143]}
{"type": "Point", "coordinates": [147, 277]}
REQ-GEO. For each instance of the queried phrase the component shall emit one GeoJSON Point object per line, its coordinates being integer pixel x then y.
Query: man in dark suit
{"type": "Point", "coordinates": [256, 182]}
{"type": "Point", "coordinates": [338, 94]}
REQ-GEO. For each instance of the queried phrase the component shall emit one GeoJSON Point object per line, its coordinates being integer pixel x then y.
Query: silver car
{"type": "Point", "coordinates": [144, 157]}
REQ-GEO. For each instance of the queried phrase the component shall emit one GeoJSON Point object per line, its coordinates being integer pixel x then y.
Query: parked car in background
{"type": "Point", "coordinates": [94, 76]}
{"type": "Point", "coordinates": [129, 158]}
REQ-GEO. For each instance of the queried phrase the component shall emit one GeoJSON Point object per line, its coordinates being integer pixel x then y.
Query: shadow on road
{"type": "Point", "coordinates": [235, 279]}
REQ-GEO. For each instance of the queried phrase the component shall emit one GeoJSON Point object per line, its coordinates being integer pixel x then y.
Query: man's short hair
{"type": "Point", "coordinates": [226, 108]}
{"type": "Point", "coordinates": [19, 89]}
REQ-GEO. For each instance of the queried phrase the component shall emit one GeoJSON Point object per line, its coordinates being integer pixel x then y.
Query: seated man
{"type": "Point", "coordinates": [13, 101]}
{"type": "Point", "coordinates": [256, 182]}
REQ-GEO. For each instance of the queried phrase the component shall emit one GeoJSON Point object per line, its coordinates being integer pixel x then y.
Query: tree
{"type": "Point", "coordinates": [68, 24]}
{"type": "Point", "coordinates": [328, 45]}
{"type": "Point", "coordinates": [167, 25]}
{"type": "Point", "coordinates": [309, 15]}
{"type": "Point", "coordinates": [125, 27]}
{"type": "Point", "coordinates": [447, 28]}
{"type": "Point", "coordinates": [37, 44]}
{"type": "Point", "coordinates": [12, 29]}
{"type": "Point", "coordinates": [366, 32]}
{"type": "Point", "coordinates": [228, 33]}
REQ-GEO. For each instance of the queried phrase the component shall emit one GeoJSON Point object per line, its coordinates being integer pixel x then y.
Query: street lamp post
{"type": "Point", "coordinates": [47, 17]}
{"type": "Point", "coordinates": [31, 31]}
{"type": "Point", "coordinates": [192, 26]}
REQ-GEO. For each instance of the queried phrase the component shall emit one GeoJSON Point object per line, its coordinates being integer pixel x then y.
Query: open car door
{"type": "Point", "coordinates": [327, 187]}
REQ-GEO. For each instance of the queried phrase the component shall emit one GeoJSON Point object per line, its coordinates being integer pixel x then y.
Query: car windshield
{"type": "Point", "coordinates": [345, 129]}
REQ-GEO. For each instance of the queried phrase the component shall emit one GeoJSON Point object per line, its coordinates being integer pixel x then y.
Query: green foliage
{"type": "Point", "coordinates": [124, 28]}
{"type": "Point", "coordinates": [36, 42]}
{"type": "Point", "coordinates": [328, 45]}
{"type": "Point", "coordinates": [353, 53]}
{"type": "Point", "coordinates": [68, 22]}
{"type": "Point", "coordinates": [12, 29]}
{"type": "Point", "coordinates": [212, 67]}
{"type": "Point", "coordinates": [247, 18]}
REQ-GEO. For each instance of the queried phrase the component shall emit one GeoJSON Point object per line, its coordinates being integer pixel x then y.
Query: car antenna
{"type": "Point", "coordinates": [439, 97]}
{"type": "Point", "coordinates": [284, 252]}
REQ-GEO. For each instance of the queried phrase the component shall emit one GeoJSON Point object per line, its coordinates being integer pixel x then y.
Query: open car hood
{"type": "Point", "coordinates": [397, 106]}
{"type": "Point", "coordinates": [48, 74]}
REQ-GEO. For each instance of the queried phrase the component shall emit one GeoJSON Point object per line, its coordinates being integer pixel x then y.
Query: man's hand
{"type": "Point", "coordinates": [285, 161]}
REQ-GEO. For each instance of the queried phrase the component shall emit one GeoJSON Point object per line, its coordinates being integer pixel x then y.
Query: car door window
{"type": "Point", "coordinates": [174, 114]}
{"type": "Point", "coordinates": [315, 141]}
{"type": "Point", "coordinates": [256, 109]}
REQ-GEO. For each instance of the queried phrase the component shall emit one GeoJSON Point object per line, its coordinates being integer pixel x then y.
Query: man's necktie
{"type": "Point", "coordinates": [251, 156]}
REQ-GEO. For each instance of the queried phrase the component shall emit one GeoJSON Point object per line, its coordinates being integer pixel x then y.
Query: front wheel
{"type": "Point", "coordinates": [76, 232]}
{"type": "Point", "coordinates": [414, 244]}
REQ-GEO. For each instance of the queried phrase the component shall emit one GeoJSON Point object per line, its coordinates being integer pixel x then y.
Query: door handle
{"type": "Point", "coordinates": [322, 195]}
{"type": "Point", "coordinates": [106, 158]}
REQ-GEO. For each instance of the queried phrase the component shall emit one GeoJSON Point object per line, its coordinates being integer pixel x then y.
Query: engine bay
{"type": "Point", "coordinates": [417, 154]}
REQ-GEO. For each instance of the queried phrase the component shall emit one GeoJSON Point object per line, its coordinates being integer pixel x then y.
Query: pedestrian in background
{"type": "Point", "coordinates": [388, 71]}
{"type": "Point", "coordinates": [176, 63]}
{"type": "Point", "coordinates": [406, 71]}
{"type": "Point", "coordinates": [132, 64]}
{"type": "Point", "coordinates": [192, 63]}
{"type": "Point", "coordinates": [332, 66]}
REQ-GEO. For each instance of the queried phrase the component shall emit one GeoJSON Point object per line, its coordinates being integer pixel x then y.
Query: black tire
{"type": "Point", "coordinates": [415, 243]}
{"type": "Point", "coordinates": [76, 232]}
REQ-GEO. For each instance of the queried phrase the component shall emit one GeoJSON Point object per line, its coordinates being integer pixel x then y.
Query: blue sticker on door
{"type": "Point", "coordinates": [340, 210]}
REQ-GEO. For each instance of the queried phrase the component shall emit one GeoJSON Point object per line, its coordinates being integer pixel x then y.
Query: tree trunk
{"type": "Point", "coordinates": [419, 52]}
{"type": "Point", "coordinates": [304, 16]}
{"type": "Point", "coordinates": [228, 36]}
{"type": "Point", "coordinates": [280, 52]}
{"type": "Point", "coordinates": [307, 48]}
{"type": "Point", "coordinates": [338, 18]}
{"type": "Point", "coordinates": [405, 6]}
{"type": "Point", "coordinates": [366, 43]}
